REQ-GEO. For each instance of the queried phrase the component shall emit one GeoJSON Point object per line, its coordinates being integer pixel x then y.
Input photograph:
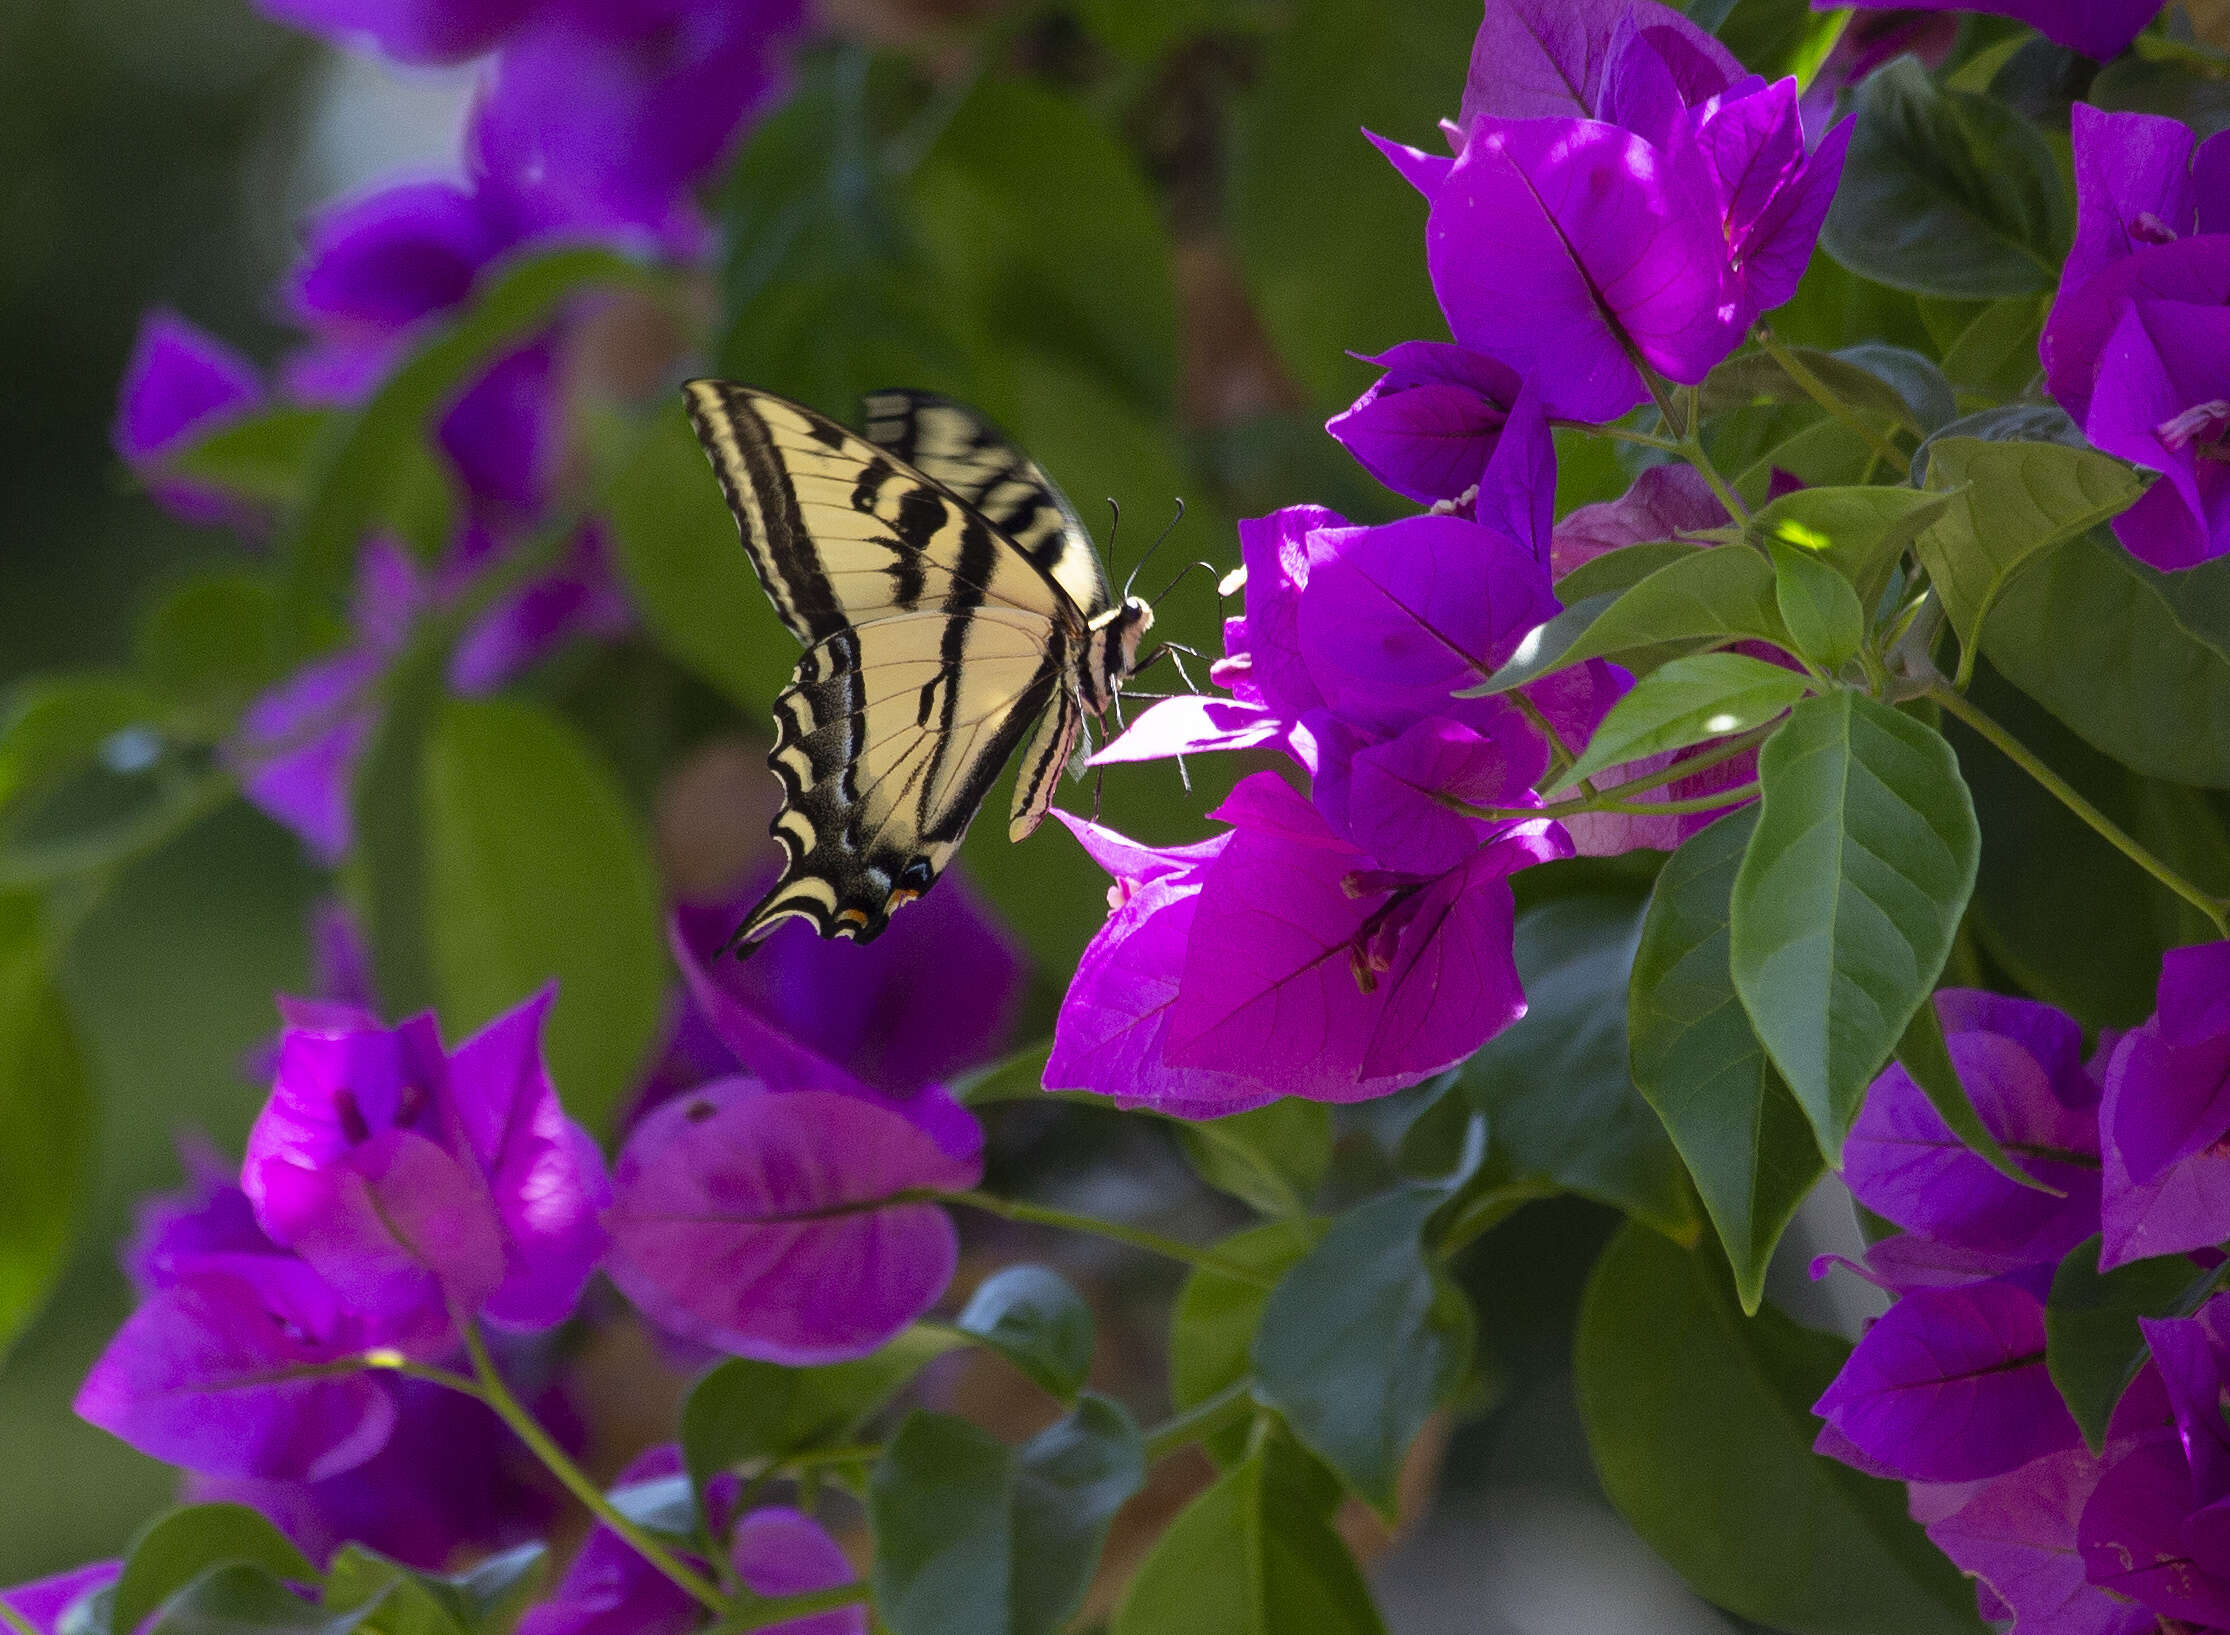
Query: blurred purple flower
{"type": "Point", "coordinates": [2096, 28]}
{"type": "Point", "coordinates": [298, 747]}
{"type": "Point", "coordinates": [1624, 195]}
{"type": "Point", "coordinates": [1949, 1385]}
{"type": "Point", "coordinates": [209, 1220]}
{"type": "Point", "coordinates": [930, 999]}
{"type": "Point", "coordinates": [1867, 43]}
{"type": "Point", "coordinates": [2021, 1064]}
{"type": "Point", "coordinates": [407, 30]}
{"type": "Point", "coordinates": [417, 1179]}
{"type": "Point", "coordinates": [226, 1369]}
{"type": "Point", "coordinates": [42, 1602]}
{"type": "Point", "coordinates": [607, 115]}
{"type": "Point", "coordinates": [611, 1590]}
{"type": "Point", "coordinates": [450, 1483]}
{"type": "Point", "coordinates": [780, 1224]}
{"type": "Point", "coordinates": [180, 384]}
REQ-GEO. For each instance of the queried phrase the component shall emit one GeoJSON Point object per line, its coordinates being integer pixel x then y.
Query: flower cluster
{"type": "Point", "coordinates": [1949, 1390]}
{"type": "Point", "coordinates": [593, 124]}
{"type": "Point", "coordinates": [1623, 198]}
{"type": "Point", "coordinates": [301, 1322]}
{"type": "Point", "coordinates": [2137, 348]}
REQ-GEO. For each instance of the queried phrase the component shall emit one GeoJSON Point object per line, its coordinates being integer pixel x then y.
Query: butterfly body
{"type": "Point", "coordinates": [953, 612]}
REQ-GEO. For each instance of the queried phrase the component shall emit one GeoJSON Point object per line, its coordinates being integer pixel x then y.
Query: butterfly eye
{"type": "Point", "coordinates": [916, 877]}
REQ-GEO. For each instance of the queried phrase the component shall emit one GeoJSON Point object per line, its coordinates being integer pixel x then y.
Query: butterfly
{"type": "Point", "coordinates": [951, 605]}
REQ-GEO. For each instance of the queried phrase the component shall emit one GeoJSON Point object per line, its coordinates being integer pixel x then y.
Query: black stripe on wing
{"type": "Point", "coordinates": [955, 446]}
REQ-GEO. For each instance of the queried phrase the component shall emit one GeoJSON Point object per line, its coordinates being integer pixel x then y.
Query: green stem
{"type": "Point", "coordinates": [1675, 808]}
{"type": "Point", "coordinates": [490, 1388]}
{"type": "Point", "coordinates": [1614, 798]}
{"type": "Point", "coordinates": [1690, 447]}
{"type": "Point", "coordinates": [1825, 395]}
{"type": "Point", "coordinates": [15, 1620]}
{"type": "Point", "coordinates": [1014, 1209]}
{"type": "Point", "coordinates": [1961, 709]}
{"type": "Point", "coordinates": [1627, 434]}
{"type": "Point", "coordinates": [1228, 1408]}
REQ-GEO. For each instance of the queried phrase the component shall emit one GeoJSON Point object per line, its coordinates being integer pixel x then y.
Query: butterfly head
{"type": "Point", "coordinates": [1112, 650]}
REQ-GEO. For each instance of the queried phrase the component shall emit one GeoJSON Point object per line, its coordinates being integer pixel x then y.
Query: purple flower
{"type": "Point", "coordinates": [180, 385]}
{"type": "Point", "coordinates": [1447, 426]}
{"type": "Point", "coordinates": [1624, 195]}
{"type": "Point", "coordinates": [1665, 502]}
{"type": "Point", "coordinates": [2141, 180]}
{"type": "Point", "coordinates": [227, 1369]}
{"type": "Point", "coordinates": [451, 1482]}
{"type": "Point", "coordinates": [42, 1603]}
{"type": "Point", "coordinates": [2157, 1527]}
{"type": "Point", "coordinates": [2021, 1064]}
{"type": "Point", "coordinates": [417, 1179]}
{"type": "Point", "coordinates": [931, 998]}
{"type": "Point", "coordinates": [2016, 1535]}
{"type": "Point", "coordinates": [611, 1590]}
{"type": "Point", "coordinates": [2166, 1117]}
{"type": "Point", "coordinates": [2096, 28]}
{"type": "Point", "coordinates": [786, 1225]}
{"type": "Point", "coordinates": [1949, 1385]}
{"type": "Point", "coordinates": [2161, 400]}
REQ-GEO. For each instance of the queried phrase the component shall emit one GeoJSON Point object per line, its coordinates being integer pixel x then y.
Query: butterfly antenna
{"type": "Point", "coordinates": [1183, 574]}
{"type": "Point", "coordinates": [1114, 525]}
{"type": "Point", "coordinates": [1151, 549]}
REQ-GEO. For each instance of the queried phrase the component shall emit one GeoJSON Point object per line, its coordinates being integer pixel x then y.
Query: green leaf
{"type": "Point", "coordinates": [1995, 354]}
{"type": "Point", "coordinates": [56, 725]}
{"type": "Point", "coordinates": [2008, 502]}
{"type": "Point", "coordinates": [1929, 401]}
{"type": "Point", "coordinates": [2071, 919]}
{"type": "Point", "coordinates": [1698, 1062]}
{"type": "Point", "coordinates": [1033, 1318]}
{"type": "Point", "coordinates": [1756, 377]}
{"type": "Point", "coordinates": [1016, 1077]}
{"type": "Point", "coordinates": [47, 1112]}
{"type": "Point", "coordinates": [177, 1549]}
{"type": "Point", "coordinates": [1618, 570]}
{"type": "Point", "coordinates": [1848, 897]}
{"type": "Point", "coordinates": [1302, 178]}
{"type": "Point", "coordinates": [392, 1599]}
{"type": "Point", "coordinates": [209, 647]}
{"type": "Point", "coordinates": [264, 459]}
{"type": "Point", "coordinates": [493, 1590]}
{"type": "Point", "coordinates": [2092, 1344]}
{"type": "Point", "coordinates": [246, 1600]}
{"type": "Point", "coordinates": [1860, 532]}
{"type": "Point", "coordinates": [1719, 595]}
{"type": "Point", "coordinates": [1044, 225]}
{"type": "Point", "coordinates": [1251, 1556]}
{"type": "Point", "coordinates": [1946, 193]}
{"type": "Point", "coordinates": [1700, 1421]}
{"type": "Point", "coordinates": [744, 1409]}
{"type": "Point", "coordinates": [2101, 641]}
{"type": "Point", "coordinates": [1559, 1102]}
{"type": "Point", "coordinates": [1363, 1339]}
{"type": "Point", "coordinates": [1926, 1059]}
{"type": "Point", "coordinates": [1143, 33]}
{"type": "Point", "coordinates": [537, 871]}
{"type": "Point", "coordinates": [1689, 701]}
{"type": "Point", "coordinates": [1818, 604]}
{"type": "Point", "coordinates": [371, 458]}
{"type": "Point", "coordinates": [975, 1538]}
{"type": "Point", "coordinates": [1214, 1322]}
{"type": "Point", "coordinates": [1823, 453]}
{"type": "Point", "coordinates": [1272, 1159]}
{"type": "Point", "coordinates": [675, 544]}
